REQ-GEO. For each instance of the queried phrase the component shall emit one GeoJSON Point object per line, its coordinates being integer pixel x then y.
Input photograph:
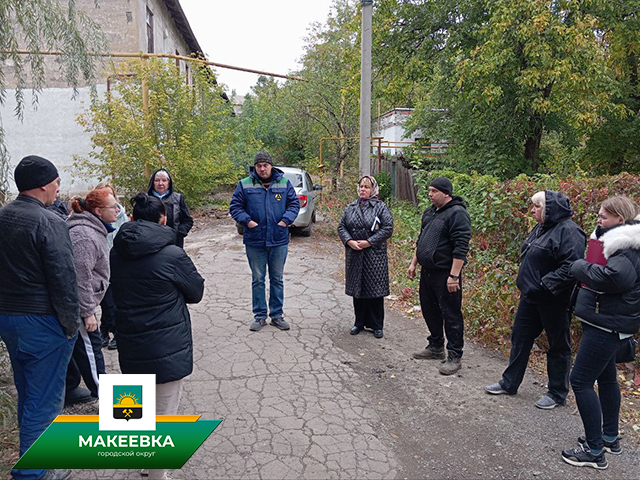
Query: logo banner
{"type": "Point", "coordinates": [75, 442]}
{"type": "Point", "coordinates": [127, 433]}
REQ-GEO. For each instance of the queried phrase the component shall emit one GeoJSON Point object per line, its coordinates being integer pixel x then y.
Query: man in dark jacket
{"type": "Point", "coordinates": [441, 251]}
{"type": "Point", "coordinates": [178, 216]}
{"type": "Point", "coordinates": [265, 203]}
{"type": "Point", "coordinates": [39, 310]}
{"type": "Point", "coordinates": [545, 284]}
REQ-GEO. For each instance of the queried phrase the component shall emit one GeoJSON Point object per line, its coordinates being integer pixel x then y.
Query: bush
{"type": "Point", "coordinates": [384, 186]}
{"type": "Point", "coordinates": [500, 210]}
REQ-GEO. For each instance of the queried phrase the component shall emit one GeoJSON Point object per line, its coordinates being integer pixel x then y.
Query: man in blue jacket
{"type": "Point", "coordinates": [265, 203]}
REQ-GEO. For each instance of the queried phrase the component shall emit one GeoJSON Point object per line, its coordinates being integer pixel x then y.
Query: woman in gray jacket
{"type": "Point", "coordinates": [89, 224]}
{"type": "Point", "coordinates": [364, 229]}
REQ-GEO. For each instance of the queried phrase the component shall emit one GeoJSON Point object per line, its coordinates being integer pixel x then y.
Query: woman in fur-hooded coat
{"type": "Point", "coordinates": [608, 306]}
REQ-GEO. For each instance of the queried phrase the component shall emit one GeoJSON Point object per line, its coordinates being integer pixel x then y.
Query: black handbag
{"type": "Point", "coordinates": [627, 352]}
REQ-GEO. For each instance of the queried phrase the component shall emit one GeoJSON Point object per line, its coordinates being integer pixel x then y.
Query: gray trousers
{"type": "Point", "coordinates": [167, 403]}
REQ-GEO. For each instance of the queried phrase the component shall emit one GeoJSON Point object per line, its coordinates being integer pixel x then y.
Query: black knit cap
{"type": "Point", "coordinates": [263, 157]}
{"type": "Point", "coordinates": [443, 184]}
{"type": "Point", "coordinates": [34, 172]}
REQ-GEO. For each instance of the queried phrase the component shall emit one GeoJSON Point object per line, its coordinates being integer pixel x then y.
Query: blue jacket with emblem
{"type": "Point", "coordinates": [265, 206]}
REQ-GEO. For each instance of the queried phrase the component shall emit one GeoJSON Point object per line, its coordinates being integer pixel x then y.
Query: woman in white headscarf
{"type": "Point", "coordinates": [364, 229]}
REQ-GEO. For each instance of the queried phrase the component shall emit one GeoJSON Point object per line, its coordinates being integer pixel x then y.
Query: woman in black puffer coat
{"type": "Point", "coordinates": [364, 229]}
{"type": "Point", "coordinates": [608, 305]}
{"type": "Point", "coordinates": [153, 280]}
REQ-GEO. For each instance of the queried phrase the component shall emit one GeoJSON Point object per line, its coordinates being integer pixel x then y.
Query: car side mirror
{"type": "Point", "coordinates": [317, 187]}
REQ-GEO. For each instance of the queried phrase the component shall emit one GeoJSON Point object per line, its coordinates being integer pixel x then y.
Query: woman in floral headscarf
{"type": "Point", "coordinates": [364, 229]}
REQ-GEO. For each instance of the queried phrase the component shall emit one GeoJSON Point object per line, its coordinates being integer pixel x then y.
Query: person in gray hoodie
{"type": "Point", "coordinates": [89, 224]}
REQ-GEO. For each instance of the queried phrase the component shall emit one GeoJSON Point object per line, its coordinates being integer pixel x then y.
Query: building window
{"type": "Point", "coordinates": [165, 41]}
{"type": "Point", "coordinates": [149, 31]}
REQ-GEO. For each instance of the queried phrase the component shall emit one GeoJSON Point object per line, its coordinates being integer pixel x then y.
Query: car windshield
{"type": "Point", "coordinates": [295, 179]}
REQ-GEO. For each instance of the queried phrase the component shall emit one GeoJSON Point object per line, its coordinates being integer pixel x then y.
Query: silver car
{"type": "Point", "coordinates": [307, 192]}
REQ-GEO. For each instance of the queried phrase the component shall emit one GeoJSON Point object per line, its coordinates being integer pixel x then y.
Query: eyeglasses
{"type": "Point", "coordinates": [115, 207]}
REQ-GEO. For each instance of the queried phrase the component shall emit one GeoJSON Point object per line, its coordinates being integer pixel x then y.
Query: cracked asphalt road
{"type": "Point", "coordinates": [315, 402]}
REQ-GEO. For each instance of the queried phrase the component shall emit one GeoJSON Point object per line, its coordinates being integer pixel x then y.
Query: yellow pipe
{"type": "Point", "coordinates": [160, 55]}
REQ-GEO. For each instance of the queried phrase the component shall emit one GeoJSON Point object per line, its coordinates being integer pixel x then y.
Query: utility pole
{"type": "Point", "coordinates": [365, 89]}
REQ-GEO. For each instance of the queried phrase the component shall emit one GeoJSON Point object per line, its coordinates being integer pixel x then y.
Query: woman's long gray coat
{"type": "Point", "coordinates": [367, 271]}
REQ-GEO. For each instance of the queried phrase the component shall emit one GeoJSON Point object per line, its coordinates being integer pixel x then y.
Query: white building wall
{"type": "Point", "coordinates": [51, 132]}
{"type": "Point", "coordinates": [390, 127]}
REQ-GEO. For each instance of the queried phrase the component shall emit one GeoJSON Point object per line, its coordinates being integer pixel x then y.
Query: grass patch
{"type": "Point", "coordinates": [9, 439]}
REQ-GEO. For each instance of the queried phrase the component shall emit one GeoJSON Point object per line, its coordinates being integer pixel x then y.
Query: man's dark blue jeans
{"type": "Point", "coordinates": [261, 258]}
{"type": "Point", "coordinates": [39, 353]}
{"type": "Point", "coordinates": [531, 319]}
{"type": "Point", "coordinates": [596, 360]}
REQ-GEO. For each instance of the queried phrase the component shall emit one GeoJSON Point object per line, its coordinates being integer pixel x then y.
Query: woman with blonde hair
{"type": "Point", "coordinates": [608, 307]}
{"type": "Point", "coordinates": [545, 285]}
{"type": "Point", "coordinates": [89, 224]}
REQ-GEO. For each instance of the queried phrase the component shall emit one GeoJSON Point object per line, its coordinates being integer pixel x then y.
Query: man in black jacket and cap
{"type": "Point", "coordinates": [39, 309]}
{"type": "Point", "coordinates": [441, 251]}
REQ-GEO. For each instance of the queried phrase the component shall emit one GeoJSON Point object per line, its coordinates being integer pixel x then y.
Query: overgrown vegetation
{"type": "Point", "coordinates": [9, 441]}
{"type": "Point", "coordinates": [515, 86]}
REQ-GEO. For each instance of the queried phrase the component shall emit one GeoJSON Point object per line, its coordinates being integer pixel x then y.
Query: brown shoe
{"type": "Point", "coordinates": [451, 366]}
{"type": "Point", "coordinates": [430, 353]}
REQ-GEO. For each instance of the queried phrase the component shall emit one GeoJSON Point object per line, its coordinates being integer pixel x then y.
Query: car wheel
{"type": "Point", "coordinates": [313, 217]}
{"type": "Point", "coordinates": [306, 231]}
{"type": "Point", "coordinates": [240, 229]}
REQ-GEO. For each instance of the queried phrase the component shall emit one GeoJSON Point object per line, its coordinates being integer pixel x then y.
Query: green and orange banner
{"type": "Point", "coordinates": [75, 442]}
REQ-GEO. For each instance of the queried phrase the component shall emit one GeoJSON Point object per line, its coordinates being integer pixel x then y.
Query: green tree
{"type": "Point", "coordinates": [495, 76]}
{"type": "Point", "coordinates": [269, 113]}
{"type": "Point", "coordinates": [290, 119]}
{"type": "Point", "coordinates": [331, 64]}
{"type": "Point", "coordinates": [39, 25]}
{"type": "Point", "coordinates": [189, 130]}
{"type": "Point", "coordinates": [615, 147]}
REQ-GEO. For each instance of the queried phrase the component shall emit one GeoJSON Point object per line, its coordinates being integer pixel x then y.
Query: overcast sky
{"type": "Point", "coordinates": [263, 35]}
